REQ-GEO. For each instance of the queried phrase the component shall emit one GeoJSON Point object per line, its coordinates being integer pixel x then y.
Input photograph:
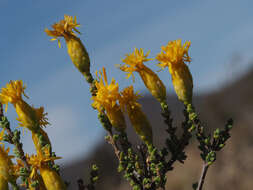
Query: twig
{"type": "Point", "coordinates": [202, 177]}
{"type": "Point", "coordinates": [17, 144]}
{"type": "Point", "coordinates": [177, 145]}
{"type": "Point", "coordinates": [114, 145]}
{"type": "Point", "coordinates": [143, 153]}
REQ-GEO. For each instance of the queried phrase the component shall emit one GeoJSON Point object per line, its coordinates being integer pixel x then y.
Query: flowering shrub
{"type": "Point", "coordinates": [146, 166]}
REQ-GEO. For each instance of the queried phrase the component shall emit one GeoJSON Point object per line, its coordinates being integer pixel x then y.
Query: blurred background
{"type": "Point", "coordinates": [221, 34]}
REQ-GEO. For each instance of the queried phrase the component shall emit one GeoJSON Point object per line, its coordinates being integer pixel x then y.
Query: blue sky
{"type": "Point", "coordinates": [217, 29]}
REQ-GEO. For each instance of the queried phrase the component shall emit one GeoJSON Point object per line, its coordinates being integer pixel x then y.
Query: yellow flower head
{"type": "Point", "coordinates": [134, 61]}
{"type": "Point", "coordinates": [106, 98]}
{"type": "Point", "coordinates": [174, 54]}
{"type": "Point", "coordinates": [51, 180]}
{"type": "Point", "coordinates": [28, 116]}
{"type": "Point", "coordinates": [39, 160]}
{"type": "Point", "coordinates": [35, 116]}
{"type": "Point", "coordinates": [12, 93]}
{"type": "Point", "coordinates": [129, 98]}
{"type": "Point", "coordinates": [107, 94]}
{"type": "Point", "coordinates": [66, 28]}
{"type": "Point", "coordinates": [63, 28]}
{"type": "Point", "coordinates": [138, 119]}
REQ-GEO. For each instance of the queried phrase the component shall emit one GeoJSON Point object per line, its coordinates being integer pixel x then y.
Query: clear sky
{"type": "Point", "coordinates": [219, 31]}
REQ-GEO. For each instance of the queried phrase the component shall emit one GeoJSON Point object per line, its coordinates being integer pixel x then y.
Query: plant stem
{"type": "Point", "coordinates": [203, 175]}
{"type": "Point", "coordinates": [1, 110]}
{"type": "Point", "coordinates": [17, 144]}
{"type": "Point", "coordinates": [114, 145]}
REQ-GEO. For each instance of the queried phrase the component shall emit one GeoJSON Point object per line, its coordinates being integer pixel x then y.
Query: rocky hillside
{"type": "Point", "coordinates": [234, 166]}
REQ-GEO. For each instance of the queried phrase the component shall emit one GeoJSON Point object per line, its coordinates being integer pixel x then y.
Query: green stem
{"type": "Point", "coordinates": [202, 177]}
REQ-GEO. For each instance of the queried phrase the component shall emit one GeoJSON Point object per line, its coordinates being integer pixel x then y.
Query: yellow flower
{"type": "Point", "coordinates": [28, 116]}
{"type": "Point", "coordinates": [39, 160]}
{"type": "Point", "coordinates": [33, 175]}
{"type": "Point", "coordinates": [134, 62]}
{"type": "Point", "coordinates": [129, 98]}
{"type": "Point", "coordinates": [138, 119]}
{"type": "Point", "coordinates": [12, 93]}
{"type": "Point", "coordinates": [174, 56]}
{"type": "Point", "coordinates": [64, 28]}
{"type": "Point", "coordinates": [106, 98]}
{"type": "Point", "coordinates": [76, 50]}
{"type": "Point", "coordinates": [50, 177]}
{"type": "Point", "coordinates": [32, 118]}
{"type": "Point", "coordinates": [6, 164]}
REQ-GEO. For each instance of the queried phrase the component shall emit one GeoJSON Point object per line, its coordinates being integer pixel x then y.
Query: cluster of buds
{"type": "Point", "coordinates": [108, 99]}
{"type": "Point", "coordinates": [33, 119]}
{"type": "Point", "coordinates": [112, 103]}
{"type": "Point", "coordinates": [39, 172]}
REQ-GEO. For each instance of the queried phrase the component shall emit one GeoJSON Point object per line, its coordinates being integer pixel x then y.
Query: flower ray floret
{"type": "Point", "coordinates": [12, 93]}
{"type": "Point", "coordinates": [174, 53]}
{"type": "Point", "coordinates": [107, 94]}
{"type": "Point", "coordinates": [134, 61]}
{"type": "Point", "coordinates": [129, 98]}
{"type": "Point", "coordinates": [63, 28]}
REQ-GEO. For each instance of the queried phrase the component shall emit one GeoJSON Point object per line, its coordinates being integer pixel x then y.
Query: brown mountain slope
{"type": "Point", "coordinates": [234, 166]}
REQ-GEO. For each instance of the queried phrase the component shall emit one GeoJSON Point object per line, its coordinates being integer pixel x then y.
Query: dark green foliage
{"type": "Point", "coordinates": [93, 179]}
{"type": "Point", "coordinates": [208, 144]}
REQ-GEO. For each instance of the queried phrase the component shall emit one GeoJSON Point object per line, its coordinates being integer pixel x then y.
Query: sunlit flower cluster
{"type": "Point", "coordinates": [28, 116]}
{"type": "Point", "coordinates": [112, 104]}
